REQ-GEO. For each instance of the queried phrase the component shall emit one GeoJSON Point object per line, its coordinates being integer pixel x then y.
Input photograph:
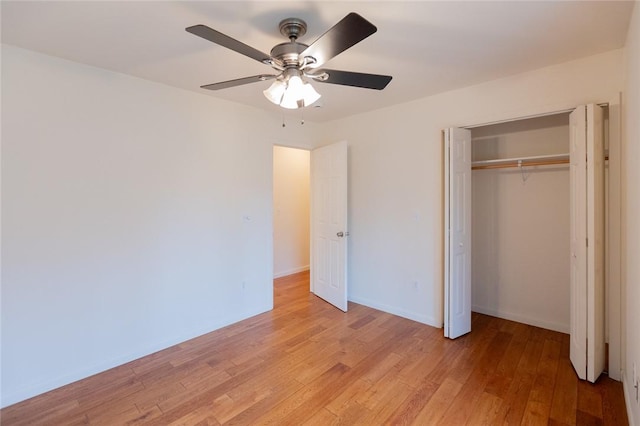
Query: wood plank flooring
{"type": "Point", "coordinates": [307, 363]}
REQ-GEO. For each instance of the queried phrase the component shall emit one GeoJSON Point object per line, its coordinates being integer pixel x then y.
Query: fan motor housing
{"type": "Point", "coordinates": [288, 53]}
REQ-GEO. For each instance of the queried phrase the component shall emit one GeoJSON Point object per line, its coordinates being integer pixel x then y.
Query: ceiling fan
{"type": "Point", "coordinates": [296, 62]}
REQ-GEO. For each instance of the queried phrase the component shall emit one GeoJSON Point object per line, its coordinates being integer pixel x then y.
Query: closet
{"type": "Point", "coordinates": [520, 221]}
{"type": "Point", "coordinates": [525, 227]}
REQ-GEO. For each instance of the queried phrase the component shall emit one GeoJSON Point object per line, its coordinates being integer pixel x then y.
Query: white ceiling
{"type": "Point", "coordinates": [427, 46]}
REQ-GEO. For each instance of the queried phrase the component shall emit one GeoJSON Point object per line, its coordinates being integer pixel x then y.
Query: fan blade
{"type": "Point", "coordinates": [228, 42]}
{"type": "Point", "coordinates": [238, 82]}
{"type": "Point", "coordinates": [355, 79]}
{"type": "Point", "coordinates": [351, 30]}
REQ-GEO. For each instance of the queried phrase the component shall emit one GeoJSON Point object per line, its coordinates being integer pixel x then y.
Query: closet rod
{"type": "Point", "coordinates": [523, 159]}
{"type": "Point", "coordinates": [505, 165]}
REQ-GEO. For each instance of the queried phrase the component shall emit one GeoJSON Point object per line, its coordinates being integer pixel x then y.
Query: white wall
{"type": "Point", "coordinates": [520, 226]}
{"type": "Point", "coordinates": [631, 213]}
{"type": "Point", "coordinates": [395, 181]}
{"type": "Point", "coordinates": [291, 185]}
{"type": "Point", "coordinates": [123, 216]}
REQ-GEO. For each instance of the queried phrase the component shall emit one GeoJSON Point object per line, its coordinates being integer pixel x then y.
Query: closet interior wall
{"type": "Point", "coordinates": [520, 224]}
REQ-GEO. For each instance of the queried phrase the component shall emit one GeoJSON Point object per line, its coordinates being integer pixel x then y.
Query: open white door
{"type": "Point", "coordinates": [329, 224]}
{"type": "Point", "coordinates": [457, 216]}
{"type": "Point", "coordinates": [587, 349]}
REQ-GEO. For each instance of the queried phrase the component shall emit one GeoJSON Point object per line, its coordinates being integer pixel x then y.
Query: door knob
{"type": "Point", "coordinates": [342, 234]}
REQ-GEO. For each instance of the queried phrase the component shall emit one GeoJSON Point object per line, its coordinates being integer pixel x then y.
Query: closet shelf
{"type": "Point", "coordinates": [538, 160]}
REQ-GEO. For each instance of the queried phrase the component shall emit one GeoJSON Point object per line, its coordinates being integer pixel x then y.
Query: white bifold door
{"type": "Point", "coordinates": [457, 217]}
{"type": "Point", "coordinates": [329, 224]}
{"type": "Point", "coordinates": [587, 340]}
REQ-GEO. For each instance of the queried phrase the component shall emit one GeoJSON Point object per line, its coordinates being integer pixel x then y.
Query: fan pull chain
{"type": "Point", "coordinates": [301, 119]}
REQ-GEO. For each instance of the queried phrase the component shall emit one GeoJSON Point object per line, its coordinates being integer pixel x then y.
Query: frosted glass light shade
{"type": "Point", "coordinates": [289, 100]}
{"type": "Point", "coordinates": [310, 94]}
{"type": "Point", "coordinates": [295, 87]}
{"type": "Point", "coordinates": [275, 92]}
{"type": "Point", "coordinates": [293, 94]}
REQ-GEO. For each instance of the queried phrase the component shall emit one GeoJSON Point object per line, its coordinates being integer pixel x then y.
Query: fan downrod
{"type": "Point", "coordinates": [292, 28]}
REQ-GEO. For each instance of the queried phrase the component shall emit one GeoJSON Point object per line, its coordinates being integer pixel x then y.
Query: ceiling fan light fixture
{"type": "Point", "coordinates": [292, 94]}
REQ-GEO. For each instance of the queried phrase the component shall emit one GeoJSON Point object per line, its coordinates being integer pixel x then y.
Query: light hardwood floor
{"type": "Point", "coordinates": [305, 362]}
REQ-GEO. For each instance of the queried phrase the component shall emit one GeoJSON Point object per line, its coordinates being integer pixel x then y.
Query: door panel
{"type": "Point", "coordinates": [595, 248]}
{"type": "Point", "coordinates": [578, 235]}
{"type": "Point", "coordinates": [329, 224]}
{"type": "Point", "coordinates": [587, 341]}
{"type": "Point", "coordinates": [457, 307]}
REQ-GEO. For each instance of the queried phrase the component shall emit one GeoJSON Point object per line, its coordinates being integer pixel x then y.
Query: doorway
{"type": "Point", "coordinates": [310, 218]}
{"type": "Point", "coordinates": [291, 210]}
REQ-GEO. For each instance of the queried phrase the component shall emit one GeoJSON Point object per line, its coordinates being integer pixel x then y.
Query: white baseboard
{"type": "Point", "coordinates": [549, 325]}
{"type": "Point", "coordinates": [290, 271]}
{"type": "Point", "coordinates": [424, 319]}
